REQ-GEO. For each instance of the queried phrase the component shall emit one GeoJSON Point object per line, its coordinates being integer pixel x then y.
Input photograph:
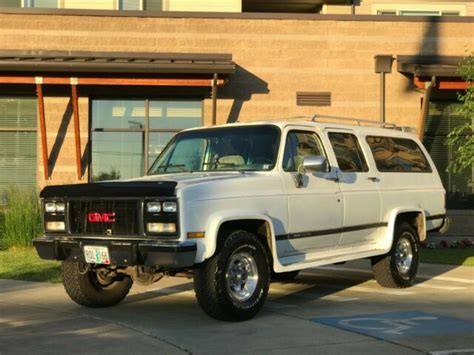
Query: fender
{"type": "Point", "coordinates": [217, 219]}
{"type": "Point", "coordinates": [387, 241]}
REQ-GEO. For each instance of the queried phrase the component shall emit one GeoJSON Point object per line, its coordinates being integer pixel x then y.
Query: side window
{"type": "Point", "coordinates": [397, 155]}
{"type": "Point", "coordinates": [348, 152]}
{"type": "Point", "coordinates": [298, 145]}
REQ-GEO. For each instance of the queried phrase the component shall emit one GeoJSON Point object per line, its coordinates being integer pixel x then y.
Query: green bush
{"type": "Point", "coordinates": [20, 217]}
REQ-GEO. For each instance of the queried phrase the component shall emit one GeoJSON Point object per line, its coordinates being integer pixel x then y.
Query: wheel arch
{"type": "Point", "coordinates": [258, 224]}
{"type": "Point", "coordinates": [413, 215]}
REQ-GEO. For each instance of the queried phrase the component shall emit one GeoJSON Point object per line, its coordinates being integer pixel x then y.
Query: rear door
{"type": "Point", "coordinates": [359, 187]}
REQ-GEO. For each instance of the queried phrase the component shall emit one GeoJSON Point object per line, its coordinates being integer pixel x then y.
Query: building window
{"type": "Point", "coordinates": [128, 135]}
{"type": "Point", "coordinates": [419, 13]}
{"type": "Point", "coordinates": [17, 142]}
{"type": "Point", "coordinates": [442, 118]}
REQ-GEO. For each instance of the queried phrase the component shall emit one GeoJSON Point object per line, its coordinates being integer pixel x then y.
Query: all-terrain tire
{"type": "Point", "coordinates": [284, 276]}
{"type": "Point", "coordinates": [87, 289]}
{"type": "Point", "coordinates": [213, 277]}
{"type": "Point", "coordinates": [385, 268]}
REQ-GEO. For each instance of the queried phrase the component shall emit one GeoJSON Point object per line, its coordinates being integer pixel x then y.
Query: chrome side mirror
{"type": "Point", "coordinates": [315, 163]}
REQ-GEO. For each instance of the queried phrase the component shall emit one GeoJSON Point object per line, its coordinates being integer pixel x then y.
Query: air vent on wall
{"type": "Point", "coordinates": [313, 98]}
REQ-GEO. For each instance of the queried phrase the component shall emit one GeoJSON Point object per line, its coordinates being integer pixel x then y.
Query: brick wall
{"type": "Point", "coordinates": [276, 58]}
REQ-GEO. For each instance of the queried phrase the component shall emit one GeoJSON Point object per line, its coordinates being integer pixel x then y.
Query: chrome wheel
{"type": "Point", "coordinates": [403, 255]}
{"type": "Point", "coordinates": [241, 276]}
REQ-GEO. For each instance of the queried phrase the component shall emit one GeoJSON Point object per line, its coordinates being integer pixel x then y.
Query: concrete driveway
{"type": "Point", "coordinates": [331, 310]}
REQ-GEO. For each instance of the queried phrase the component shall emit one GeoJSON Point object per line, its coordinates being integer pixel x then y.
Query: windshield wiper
{"type": "Point", "coordinates": [182, 167]}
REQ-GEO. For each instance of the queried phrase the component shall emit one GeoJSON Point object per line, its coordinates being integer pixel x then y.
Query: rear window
{"type": "Point", "coordinates": [398, 155]}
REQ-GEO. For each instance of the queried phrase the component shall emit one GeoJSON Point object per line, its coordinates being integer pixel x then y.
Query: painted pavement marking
{"type": "Point", "coordinates": [297, 292]}
{"type": "Point", "coordinates": [405, 324]}
{"type": "Point", "coordinates": [379, 291]}
{"type": "Point", "coordinates": [421, 276]}
{"type": "Point", "coordinates": [452, 352]}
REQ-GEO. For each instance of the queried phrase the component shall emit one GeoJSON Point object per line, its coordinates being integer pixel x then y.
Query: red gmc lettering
{"type": "Point", "coordinates": [101, 217]}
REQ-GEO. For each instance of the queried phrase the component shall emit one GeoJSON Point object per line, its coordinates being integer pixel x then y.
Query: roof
{"type": "Point", "coordinates": [115, 62]}
{"type": "Point", "coordinates": [428, 66]}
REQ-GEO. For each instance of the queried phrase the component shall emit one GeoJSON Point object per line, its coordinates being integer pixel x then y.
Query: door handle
{"type": "Point", "coordinates": [373, 178]}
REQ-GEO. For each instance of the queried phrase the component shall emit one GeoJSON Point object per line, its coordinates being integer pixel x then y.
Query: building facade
{"type": "Point", "coordinates": [90, 95]}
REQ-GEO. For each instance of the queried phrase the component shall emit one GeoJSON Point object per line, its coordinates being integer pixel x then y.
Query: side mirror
{"type": "Point", "coordinates": [315, 163]}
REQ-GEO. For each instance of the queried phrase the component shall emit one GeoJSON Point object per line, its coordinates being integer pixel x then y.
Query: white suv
{"type": "Point", "coordinates": [240, 204]}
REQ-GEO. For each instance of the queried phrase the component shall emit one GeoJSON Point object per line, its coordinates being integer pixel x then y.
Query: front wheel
{"type": "Point", "coordinates": [233, 284]}
{"type": "Point", "coordinates": [398, 268]}
{"type": "Point", "coordinates": [93, 288]}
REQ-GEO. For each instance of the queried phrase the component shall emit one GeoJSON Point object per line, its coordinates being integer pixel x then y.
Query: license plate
{"type": "Point", "coordinates": [96, 255]}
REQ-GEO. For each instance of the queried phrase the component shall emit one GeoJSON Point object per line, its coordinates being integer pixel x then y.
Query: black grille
{"type": "Point", "coordinates": [126, 217]}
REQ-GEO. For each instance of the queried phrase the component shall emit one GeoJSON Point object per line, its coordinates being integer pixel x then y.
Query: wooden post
{"type": "Point", "coordinates": [424, 109]}
{"type": "Point", "coordinates": [77, 133]}
{"type": "Point", "coordinates": [42, 119]}
{"type": "Point", "coordinates": [214, 99]}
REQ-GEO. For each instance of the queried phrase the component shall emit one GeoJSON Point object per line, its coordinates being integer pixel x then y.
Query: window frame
{"type": "Point", "coordinates": [145, 131]}
{"type": "Point", "coordinates": [359, 145]}
{"type": "Point", "coordinates": [328, 165]}
{"type": "Point", "coordinates": [430, 171]}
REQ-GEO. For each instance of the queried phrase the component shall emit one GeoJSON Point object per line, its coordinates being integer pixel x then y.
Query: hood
{"type": "Point", "coordinates": [187, 179]}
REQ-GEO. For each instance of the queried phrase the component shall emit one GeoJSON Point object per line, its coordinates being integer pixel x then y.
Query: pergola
{"type": "Point", "coordinates": [41, 68]}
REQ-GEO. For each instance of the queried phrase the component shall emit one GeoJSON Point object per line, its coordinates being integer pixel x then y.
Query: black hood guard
{"type": "Point", "coordinates": [111, 189]}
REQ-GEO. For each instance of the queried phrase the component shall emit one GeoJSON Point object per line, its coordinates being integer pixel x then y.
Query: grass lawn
{"type": "Point", "coordinates": [24, 264]}
{"type": "Point", "coordinates": [448, 256]}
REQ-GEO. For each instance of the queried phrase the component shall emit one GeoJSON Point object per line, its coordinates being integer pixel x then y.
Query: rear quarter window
{"type": "Point", "coordinates": [398, 155]}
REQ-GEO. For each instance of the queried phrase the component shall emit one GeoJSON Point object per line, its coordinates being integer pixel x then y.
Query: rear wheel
{"type": "Point", "coordinates": [398, 268]}
{"type": "Point", "coordinates": [233, 284]}
{"type": "Point", "coordinates": [93, 288]}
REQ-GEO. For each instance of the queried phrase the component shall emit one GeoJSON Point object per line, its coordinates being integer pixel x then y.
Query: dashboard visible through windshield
{"type": "Point", "coordinates": [244, 148]}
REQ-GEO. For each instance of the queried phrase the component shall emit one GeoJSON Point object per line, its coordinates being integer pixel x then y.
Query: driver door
{"type": "Point", "coordinates": [315, 208]}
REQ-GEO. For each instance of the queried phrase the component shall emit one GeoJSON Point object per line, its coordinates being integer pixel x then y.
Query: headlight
{"type": "Point", "coordinates": [54, 207]}
{"type": "Point", "coordinates": [55, 226]}
{"type": "Point", "coordinates": [153, 207]}
{"type": "Point", "coordinates": [169, 206]}
{"type": "Point", "coordinates": [161, 227]}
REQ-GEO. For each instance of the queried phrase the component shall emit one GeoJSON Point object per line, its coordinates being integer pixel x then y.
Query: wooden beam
{"type": "Point", "coordinates": [42, 119]}
{"type": "Point", "coordinates": [77, 133]}
{"type": "Point", "coordinates": [442, 84]}
{"type": "Point", "coordinates": [193, 82]}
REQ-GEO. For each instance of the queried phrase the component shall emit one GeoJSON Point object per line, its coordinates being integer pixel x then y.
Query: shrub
{"type": "Point", "coordinates": [20, 217]}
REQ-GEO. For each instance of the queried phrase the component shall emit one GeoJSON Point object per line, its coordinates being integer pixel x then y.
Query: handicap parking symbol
{"type": "Point", "coordinates": [394, 325]}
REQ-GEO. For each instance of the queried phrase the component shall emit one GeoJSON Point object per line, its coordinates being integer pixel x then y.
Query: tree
{"type": "Point", "coordinates": [462, 137]}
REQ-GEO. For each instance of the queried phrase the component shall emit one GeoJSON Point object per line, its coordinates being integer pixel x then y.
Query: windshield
{"type": "Point", "coordinates": [221, 149]}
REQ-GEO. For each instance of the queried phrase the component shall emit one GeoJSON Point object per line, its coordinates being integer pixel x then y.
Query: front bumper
{"type": "Point", "coordinates": [122, 252]}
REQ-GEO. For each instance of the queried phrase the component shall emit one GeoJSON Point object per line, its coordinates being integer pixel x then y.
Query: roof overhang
{"type": "Point", "coordinates": [421, 66]}
{"type": "Point", "coordinates": [441, 71]}
{"type": "Point", "coordinates": [115, 63]}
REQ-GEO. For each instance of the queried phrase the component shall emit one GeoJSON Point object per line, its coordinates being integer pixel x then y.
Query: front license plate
{"type": "Point", "coordinates": [96, 255]}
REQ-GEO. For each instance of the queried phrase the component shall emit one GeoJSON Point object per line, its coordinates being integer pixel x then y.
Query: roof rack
{"type": "Point", "coordinates": [359, 121]}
